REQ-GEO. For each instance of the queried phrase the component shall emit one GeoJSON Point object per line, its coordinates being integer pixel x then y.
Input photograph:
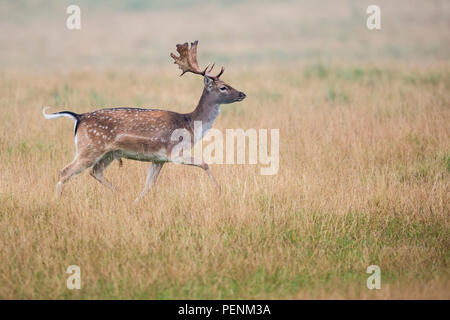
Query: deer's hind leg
{"type": "Point", "coordinates": [81, 162]}
{"type": "Point", "coordinates": [98, 169]}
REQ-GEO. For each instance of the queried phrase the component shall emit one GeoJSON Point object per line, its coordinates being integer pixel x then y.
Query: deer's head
{"type": "Point", "coordinates": [216, 89]}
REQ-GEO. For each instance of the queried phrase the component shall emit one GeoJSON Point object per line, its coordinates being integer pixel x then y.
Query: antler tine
{"type": "Point", "coordinates": [212, 66]}
{"type": "Point", "coordinates": [220, 73]}
{"type": "Point", "coordinates": [210, 69]}
{"type": "Point", "coordinates": [187, 61]}
{"type": "Point", "coordinates": [205, 70]}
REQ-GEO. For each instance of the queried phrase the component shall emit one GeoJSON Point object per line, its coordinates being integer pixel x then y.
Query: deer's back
{"type": "Point", "coordinates": [131, 130]}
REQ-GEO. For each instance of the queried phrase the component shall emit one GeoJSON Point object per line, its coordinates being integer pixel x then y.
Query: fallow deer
{"type": "Point", "coordinates": [104, 135]}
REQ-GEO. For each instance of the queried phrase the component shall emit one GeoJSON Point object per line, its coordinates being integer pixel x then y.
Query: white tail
{"type": "Point", "coordinates": [58, 115]}
{"type": "Point", "coordinates": [67, 114]}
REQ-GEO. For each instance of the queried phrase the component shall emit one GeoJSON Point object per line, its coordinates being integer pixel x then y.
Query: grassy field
{"type": "Point", "coordinates": [363, 177]}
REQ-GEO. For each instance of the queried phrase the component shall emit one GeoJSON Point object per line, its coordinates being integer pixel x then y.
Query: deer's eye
{"type": "Point", "coordinates": [223, 88]}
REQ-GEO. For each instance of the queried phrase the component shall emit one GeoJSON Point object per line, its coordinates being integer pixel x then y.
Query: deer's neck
{"type": "Point", "coordinates": [206, 111]}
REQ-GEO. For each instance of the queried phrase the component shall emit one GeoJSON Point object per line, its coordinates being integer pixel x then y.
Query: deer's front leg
{"type": "Point", "coordinates": [152, 175]}
{"type": "Point", "coordinates": [192, 161]}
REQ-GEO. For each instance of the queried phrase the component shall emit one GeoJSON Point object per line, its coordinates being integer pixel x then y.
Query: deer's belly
{"type": "Point", "coordinates": [154, 156]}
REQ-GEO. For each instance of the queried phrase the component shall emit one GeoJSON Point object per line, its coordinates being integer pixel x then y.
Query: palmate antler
{"type": "Point", "coordinates": [187, 61]}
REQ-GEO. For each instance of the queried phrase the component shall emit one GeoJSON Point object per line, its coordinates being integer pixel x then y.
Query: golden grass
{"type": "Point", "coordinates": [363, 179]}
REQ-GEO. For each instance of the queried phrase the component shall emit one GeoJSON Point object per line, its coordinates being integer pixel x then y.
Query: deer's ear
{"type": "Point", "coordinates": [208, 82]}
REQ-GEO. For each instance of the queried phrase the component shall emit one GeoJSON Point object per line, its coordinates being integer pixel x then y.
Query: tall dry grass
{"type": "Point", "coordinates": [363, 179]}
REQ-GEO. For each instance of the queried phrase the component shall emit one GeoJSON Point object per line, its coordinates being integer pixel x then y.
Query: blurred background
{"type": "Point", "coordinates": [139, 34]}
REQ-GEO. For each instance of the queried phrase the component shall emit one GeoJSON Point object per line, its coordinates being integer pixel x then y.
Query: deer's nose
{"type": "Point", "coordinates": [242, 95]}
